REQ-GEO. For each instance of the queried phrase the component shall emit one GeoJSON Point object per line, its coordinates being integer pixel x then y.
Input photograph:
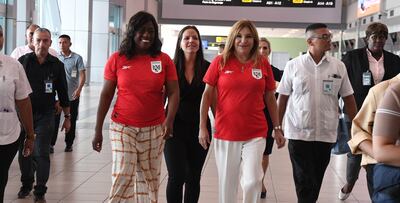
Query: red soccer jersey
{"type": "Point", "coordinates": [140, 82]}
{"type": "Point", "coordinates": [240, 103]}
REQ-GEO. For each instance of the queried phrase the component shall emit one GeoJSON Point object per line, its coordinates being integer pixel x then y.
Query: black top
{"type": "Point", "coordinates": [357, 63]}
{"type": "Point", "coordinates": [277, 77]}
{"type": "Point", "coordinates": [38, 75]}
{"type": "Point", "coordinates": [187, 118]}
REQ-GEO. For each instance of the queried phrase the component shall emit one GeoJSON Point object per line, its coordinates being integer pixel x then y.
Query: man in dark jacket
{"type": "Point", "coordinates": [46, 75]}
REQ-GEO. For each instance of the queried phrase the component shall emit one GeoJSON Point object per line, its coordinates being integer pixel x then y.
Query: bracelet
{"type": "Point", "coordinates": [67, 115]}
{"type": "Point", "coordinates": [278, 127]}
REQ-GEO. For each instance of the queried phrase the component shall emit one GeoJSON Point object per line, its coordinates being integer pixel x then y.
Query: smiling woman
{"type": "Point", "coordinates": [243, 83]}
{"type": "Point", "coordinates": [140, 71]}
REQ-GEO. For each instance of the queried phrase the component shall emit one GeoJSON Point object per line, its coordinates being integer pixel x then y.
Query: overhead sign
{"type": "Point", "coordinates": [264, 3]}
{"type": "Point", "coordinates": [368, 7]}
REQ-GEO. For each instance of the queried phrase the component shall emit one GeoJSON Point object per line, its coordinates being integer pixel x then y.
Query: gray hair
{"type": "Point", "coordinates": [42, 29]}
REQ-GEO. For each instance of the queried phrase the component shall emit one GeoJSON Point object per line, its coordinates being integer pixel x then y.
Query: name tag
{"type": "Point", "coordinates": [48, 86]}
{"type": "Point", "coordinates": [367, 77]}
{"type": "Point", "coordinates": [74, 73]}
{"type": "Point", "coordinates": [327, 86]}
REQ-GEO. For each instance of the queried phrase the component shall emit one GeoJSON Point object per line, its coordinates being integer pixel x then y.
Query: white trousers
{"type": "Point", "coordinates": [230, 157]}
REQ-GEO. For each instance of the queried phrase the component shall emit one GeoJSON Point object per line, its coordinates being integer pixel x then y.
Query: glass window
{"type": "Point", "coordinates": [115, 17]}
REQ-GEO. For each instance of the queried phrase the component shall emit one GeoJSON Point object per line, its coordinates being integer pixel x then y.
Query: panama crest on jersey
{"type": "Point", "coordinates": [156, 66]}
{"type": "Point", "coordinates": [256, 73]}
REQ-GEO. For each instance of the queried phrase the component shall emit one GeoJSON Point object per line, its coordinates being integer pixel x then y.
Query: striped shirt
{"type": "Point", "coordinates": [387, 120]}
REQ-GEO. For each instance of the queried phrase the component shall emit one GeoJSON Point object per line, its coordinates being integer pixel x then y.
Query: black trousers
{"type": "Point", "coordinates": [184, 158]}
{"type": "Point", "coordinates": [309, 161]}
{"type": "Point", "coordinates": [7, 154]}
{"type": "Point", "coordinates": [70, 136]}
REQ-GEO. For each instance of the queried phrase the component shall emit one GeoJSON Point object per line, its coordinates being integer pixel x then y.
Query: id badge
{"type": "Point", "coordinates": [327, 86]}
{"type": "Point", "coordinates": [48, 86]}
{"type": "Point", "coordinates": [367, 77]}
{"type": "Point", "coordinates": [74, 73]}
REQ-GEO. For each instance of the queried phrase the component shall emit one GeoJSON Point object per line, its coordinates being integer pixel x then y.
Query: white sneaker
{"type": "Point", "coordinates": [342, 195]}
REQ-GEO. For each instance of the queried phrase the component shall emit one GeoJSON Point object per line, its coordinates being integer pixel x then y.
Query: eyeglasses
{"type": "Point", "coordinates": [324, 37]}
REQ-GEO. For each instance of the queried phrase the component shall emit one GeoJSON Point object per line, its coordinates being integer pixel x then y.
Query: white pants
{"type": "Point", "coordinates": [230, 156]}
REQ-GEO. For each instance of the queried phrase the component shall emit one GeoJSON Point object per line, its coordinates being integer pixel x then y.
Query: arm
{"type": "Point", "coordinates": [209, 95]}
{"type": "Point", "coordinates": [25, 113]}
{"type": "Point", "coordinates": [106, 96]}
{"type": "Point", "coordinates": [282, 102]}
{"type": "Point", "coordinates": [172, 89]}
{"type": "Point", "coordinates": [62, 93]}
{"type": "Point", "coordinates": [361, 128]}
{"type": "Point", "coordinates": [270, 100]}
{"type": "Point", "coordinates": [82, 79]}
{"type": "Point", "coordinates": [350, 106]}
{"type": "Point", "coordinates": [386, 151]}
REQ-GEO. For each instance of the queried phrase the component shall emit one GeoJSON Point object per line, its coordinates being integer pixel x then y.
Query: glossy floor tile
{"type": "Point", "coordinates": [83, 176]}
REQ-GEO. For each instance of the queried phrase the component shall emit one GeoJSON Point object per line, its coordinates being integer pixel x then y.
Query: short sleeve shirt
{"type": "Point", "coordinates": [14, 85]}
{"type": "Point", "coordinates": [313, 89]}
{"type": "Point", "coordinates": [240, 102]}
{"type": "Point", "coordinates": [73, 64]}
{"type": "Point", "coordinates": [388, 114]}
{"type": "Point", "coordinates": [140, 82]}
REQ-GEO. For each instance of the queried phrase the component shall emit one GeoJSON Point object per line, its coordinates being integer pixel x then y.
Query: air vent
{"type": "Point", "coordinates": [371, 19]}
{"type": "Point", "coordinates": [364, 21]}
{"type": "Point", "coordinates": [349, 26]}
{"type": "Point", "coordinates": [391, 13]}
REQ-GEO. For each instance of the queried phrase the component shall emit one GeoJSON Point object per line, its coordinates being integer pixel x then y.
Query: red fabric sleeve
{"type": "Point", "coordinates": [110, 70]}
{"type": "Point", "coordinates": [212, 74]}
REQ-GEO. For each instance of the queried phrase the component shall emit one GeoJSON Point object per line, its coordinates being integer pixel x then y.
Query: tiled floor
{"type": "Point", "coordinates": [83, 176]}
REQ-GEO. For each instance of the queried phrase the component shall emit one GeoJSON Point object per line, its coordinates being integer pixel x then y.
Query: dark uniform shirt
{"type": "Point", "coordinates": [51, 71]}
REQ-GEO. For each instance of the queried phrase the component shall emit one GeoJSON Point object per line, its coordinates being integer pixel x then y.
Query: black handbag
{"type": "Point", "coordinates": [343, 135]}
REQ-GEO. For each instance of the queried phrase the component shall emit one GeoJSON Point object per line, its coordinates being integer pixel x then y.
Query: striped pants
{"type": "Point", "coordinates": [137, 155]}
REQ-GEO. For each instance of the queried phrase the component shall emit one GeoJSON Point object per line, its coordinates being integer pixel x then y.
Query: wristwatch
{"type": "Point", "coordinates": [67, 116]}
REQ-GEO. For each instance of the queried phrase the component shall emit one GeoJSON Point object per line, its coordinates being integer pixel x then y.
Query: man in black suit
{"type": "Point", "coordinates": [367, 67]}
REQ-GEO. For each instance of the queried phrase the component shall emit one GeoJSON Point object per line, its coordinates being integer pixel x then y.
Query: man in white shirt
{"type": "Point", "coordinates": [28, 48]}
{"type": "Point", "coordinates": [308, 98]}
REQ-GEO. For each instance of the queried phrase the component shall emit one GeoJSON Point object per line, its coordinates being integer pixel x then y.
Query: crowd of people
{"type": "Point", "coordinates": [162, 107]}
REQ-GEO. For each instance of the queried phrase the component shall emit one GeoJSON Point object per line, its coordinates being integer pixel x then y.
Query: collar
{"type": "Point", "coordinates": [69, 56]}
{"type": "Point", "coordinates": [325, 57]}
{"type": "Point", "coordinates": [369, 54]}
{"type": "Point", "coordinates": [49, 57]}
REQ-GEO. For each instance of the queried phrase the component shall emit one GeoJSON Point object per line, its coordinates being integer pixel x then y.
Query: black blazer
{"type": "Point", "coordinates": [356, 62]}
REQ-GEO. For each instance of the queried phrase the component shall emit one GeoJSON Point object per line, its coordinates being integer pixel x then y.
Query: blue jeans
{"type": "Point", "coordinates": [386, 184]}
{"type": "Point", "coordinates": [39, 161]}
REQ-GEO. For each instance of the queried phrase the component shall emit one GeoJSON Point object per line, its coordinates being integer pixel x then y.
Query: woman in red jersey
{"type": "Point", "coordinates": [139, 70]}
{"type": "Point", "coordinates": [244, 83]}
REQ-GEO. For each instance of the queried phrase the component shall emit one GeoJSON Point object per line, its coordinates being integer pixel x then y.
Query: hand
{"type": "Point", "coordinates": [167, 129]}
{"type": "Point", "coordinates": [66, 125]}
{"type": "Point", "coordinates": [76, 94]}
{"type": "Point", "coordinates": [58, 108]}
{"type": "Point", "coordinates": [97, 142]}
{"type": "Point", "coordinates": [279, 138]}
{"type": "Point", "coordinates": [28, 146]}
{"type": "Point", "coordinates": [204, 138]}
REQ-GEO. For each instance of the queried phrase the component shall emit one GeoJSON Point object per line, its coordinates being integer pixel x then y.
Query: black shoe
{"type": "Point", "coordinates": [68, 149]}
{"type": "Point", "coordinates": [39, 199]}
{"type": "Point", "coordinates": [51, 149]}
{"type": "Point", "coordinates": [263, 195]}
{"type": "Point", "coordinates": [23, 192]}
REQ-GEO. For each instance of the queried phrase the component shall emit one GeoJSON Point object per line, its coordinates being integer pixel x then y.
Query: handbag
{"type": "Point", "coordinates": [343, 134]}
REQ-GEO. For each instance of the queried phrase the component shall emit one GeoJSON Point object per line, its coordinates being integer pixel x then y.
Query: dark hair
{"type": "Point", "coordinates": [179, 58]}
{"type": "Point", "coordinates": [128, 45]}
{"type": "Point", "coordinates": [315, 26]}
{"type": "Point", "coordinates": [375, 28]}
{"type": "Point", "coordinates": [65, 37]}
